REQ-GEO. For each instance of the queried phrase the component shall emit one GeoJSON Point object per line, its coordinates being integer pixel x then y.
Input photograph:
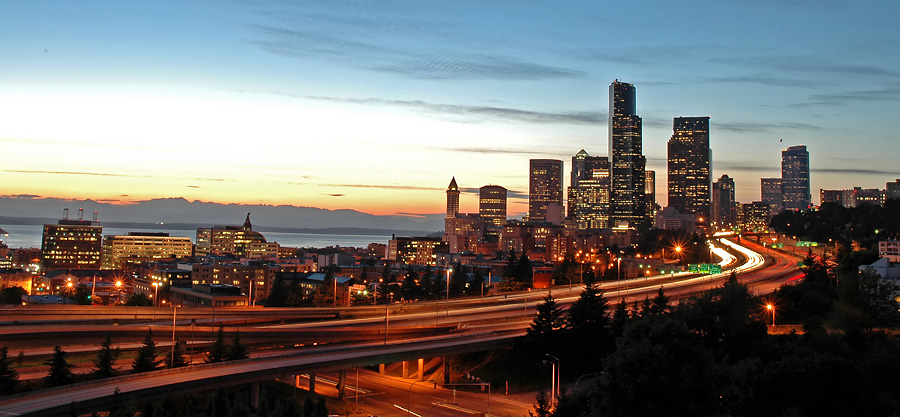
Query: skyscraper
{"type": "Point", "coordinates": [772, 193]}
{"type": "Point", "coordinates": [588, 196]}
{"type": "Point", "coordinates": [723, 211]}
{"type": "Point", "coordinates": [545, 189]}
{"type": "Point", "coordinates": [492, 206]}
{"type": "Point", "coordinates": [627, 163]}
{"type": "Point", "coordinates": [795, 178]}
{"type": "Point", "coordinates": [72, 244]}
{"type": "Point", "coordinates": [452, 199]}
{"type": "Point", "coordinates": [689, 166]}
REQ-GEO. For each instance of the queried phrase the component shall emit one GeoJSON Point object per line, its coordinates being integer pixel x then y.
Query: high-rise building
{"type": "Point", "coordinates": [689, 166]}
{"type": "Point", "coordinates": [795, 178]}
{"type": "Point", "coordinates": [452, 199]}
{"type": "Point", "coordinates": [72, 244]}
{"type": "Point", "coordinates": [545, 189]}
{"type": "Point", "coordinates": [492, 205]}
{"type": "Point", "coordinates": [588, 196]}
{"type": "Point", "coordinates": [892, 189]}
{"type": "Point", "coordinates": [723, 209]}
{"type": "Point", "coordinates": [627, 162]}
{"type": "Point", "coordinates": [772, 193]}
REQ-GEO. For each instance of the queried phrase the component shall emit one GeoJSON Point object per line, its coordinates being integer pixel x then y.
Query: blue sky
{"type": "Point", "coordinates": [374, 106]}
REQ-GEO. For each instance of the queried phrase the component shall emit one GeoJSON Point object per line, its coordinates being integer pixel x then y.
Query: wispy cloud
{"type": "Point", "coordinates": [887, 94]}
{"type": "Point", "coordinates": [476, 113]}
{"type": "Point", "coordinates": [94, 174]}
{"type": "Point", "coordinates": [748, 127]}
{"type": "Point", "coordinates": [854, 171]}
{"type": "Point", "coordinates": [334, 195]}
{"type": "Point", "coordinates": [806, 64]}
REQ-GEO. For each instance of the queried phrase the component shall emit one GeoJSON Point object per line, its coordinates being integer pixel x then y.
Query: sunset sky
{"type": "Point", "coordinates": [374, 106]}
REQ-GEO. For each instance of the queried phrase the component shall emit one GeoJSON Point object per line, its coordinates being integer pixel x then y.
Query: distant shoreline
{"type": "Point", "coordinates": [36, 221]}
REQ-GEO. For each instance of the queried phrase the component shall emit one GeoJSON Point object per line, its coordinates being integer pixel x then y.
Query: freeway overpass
{"type": "Point", "coordinates": [476, 325]}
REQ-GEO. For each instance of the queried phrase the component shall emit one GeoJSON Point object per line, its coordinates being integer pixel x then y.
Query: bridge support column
{"type": "Point", "coordinates": [446, 370]}
{"type": "Point", "coordinates": [296, 381]}
{"type": "Point", "coordinates": [312, 383]}
{"type": "Point", "coordinates": [381, 368]}
{"type": "Point", "coordinates": [342, 383]}
{"type": "Point", "coordinates": [421, 362]}
{"type": "Point", "coordinates": [254, 396]}
{"type": "Point", "coordinates": [405, 372]}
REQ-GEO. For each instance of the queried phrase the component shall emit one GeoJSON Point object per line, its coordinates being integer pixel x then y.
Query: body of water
{"type": "Point", "coordinates": [29, 236]}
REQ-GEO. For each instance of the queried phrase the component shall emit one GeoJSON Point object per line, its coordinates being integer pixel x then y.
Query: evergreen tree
{"type": "Point", "coordinates": [543, 406]}
{"type": "Point", "coordinates": [146, 359]}
{"type": "Point", "coordinates": [60, 369]}
{"type": "Point", "coordinates": [457, 279]}
{"type": "Point", "coordinates": [588, 319]}
{"type": "Point", "coordinates": [105, 363]}
{"type": "Point", "coordinates": [12, 295]}
{"type": "Point", "coordinates": [278, 296]}
{"type": "Point", "coordinates": [321, 407]}
{"type": "Point", "coordinates": [660, 303]}
{"type": "Point", "coordinates": [218, 348]}
{"type": "Point", "coordinates": [8, 376]}
{"type": "Point", "coordinates": [619, 319]}
{"type": "Point", "coordinates": [308, 407]}
{"type": "Point", "coordinates": [236, 350]}
{"type": "Point", "coordinates": [176, 360]}
{"type": "Point", "coordinates": [548, 321]}
{"type": "Point", "coordinates": [409, 290]}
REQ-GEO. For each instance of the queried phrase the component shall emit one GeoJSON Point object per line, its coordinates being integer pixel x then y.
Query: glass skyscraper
{"type": "Point", "coordinates": [795, 178]}
{"type": "Point", "coordinates": [627, 162]}
{"type": "Point", "coordinates": [689, 166]}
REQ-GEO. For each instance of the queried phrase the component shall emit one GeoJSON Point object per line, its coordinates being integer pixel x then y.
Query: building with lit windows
{"type": "Point", "coordinates": [588, 196]}
{"type": "Point", "coordinates": [723, 210]}
{"type": "Point", "coordinates": [772, 193]}
{"type": "Point", "coordinates": [452, 199]}
{"type": "Point", "coordinates": [492, 206]}
{"type": "Point", "coordinates": [795, 178]}
{"type": "Point", "coordinates": [853, 197]}
{"type": "Point", "coordinates": [141, 247]}
{"type": "Point", "coordinates": [72, 244]}
{"type": "Point", "coordinates": [415, 250]}
{"type": "Point", "coordinates": [254, 279]}
{"type": "Point", "coordinates": [892, 189]}
{"type": "Point", "coordinates": [689, 166]}
{"type": "Point", "coordinates": [627, 162]}
{"type": "Point", "coordinates": [545, 190]}
{"type": "Point", "coordinates": [237, 241]}
{"type": "Point", "coordinates": [753, 217]}
{"type": "Point", "coordinates": [650, 193]}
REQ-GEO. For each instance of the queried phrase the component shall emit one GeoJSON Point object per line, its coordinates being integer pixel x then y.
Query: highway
{"type": "Point", "coordinates": [380, 334]}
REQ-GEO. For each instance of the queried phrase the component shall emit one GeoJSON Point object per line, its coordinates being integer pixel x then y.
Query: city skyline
{"type": "Point", "coordinates": [342, 105]}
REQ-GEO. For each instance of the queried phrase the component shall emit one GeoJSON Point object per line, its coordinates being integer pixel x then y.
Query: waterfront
{"type": "Point", "coordinates": [29, 236]}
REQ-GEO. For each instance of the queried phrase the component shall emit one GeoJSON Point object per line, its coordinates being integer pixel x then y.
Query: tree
{"type": "Point", "coordinates": [321, 407]}
{"type": "Point", "coordinates": [278, 296]}
{"type": "Point", "coordinates": [60, 370]}
{"type": "Point", "coordinates": [660, 303]}
{"type": "Point", "coordinates": [236, 350]}
{"type": "Point", "coordinates": [410, 289]}
{"type": "Point", "coordinates": [588, 319]}
{"type": "Point", "coordinates": [457, 279]}
{"type": "Point", "coordinates": [218, 348]}
{"type": "Point", "coordinates": [9, 378]}
{"type": "Point", "coordinates": [82, 295]}
{"type": "Point", "coordinates": [105, 362]}
{"type": "Point", "coordinates": [176, 359]}
{"type": "Point", "coordinates": [146, 359]}
{"type": "Point", "coordinates": [139, 300]}
{"type": "Point", "coordinates": [619, 319]}
{"type": "Point", "coordinates": [12, 295]}
{"type": "Point", "coordinates": [543, 332]}
{"type": "Point", "coordinates": [543, 406]}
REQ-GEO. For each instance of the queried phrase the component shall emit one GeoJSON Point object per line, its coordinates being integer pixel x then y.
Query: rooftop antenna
{"type": "Point", "coordinates": [96, 217]}
{"type": "Point", "coordinates": [66, 213]}
{"type": "Point", "coordinates": [80, 214]}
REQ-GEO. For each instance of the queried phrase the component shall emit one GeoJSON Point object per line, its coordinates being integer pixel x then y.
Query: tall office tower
{"type": "Point", "coordinates": [72, 244]}
{"type": "Point", "coordinates": [723, 213]}
{"type": "Point", "coordinates": [772, 193]}
{"type": "Point", "coordinates": [795, 178]}
{"type": "Point", "coordinates": [452, 199]}
{"type": "Point", "coordinates": [627, 163]}
{"type": "Point", "coordinates": [588, 194]}
{"type": "Point", "coordinates": [545, 189]}
{"type": "Point", "coordinates": [492, 205]}
{"type": "Point", "coordinates": [688, 164]}
{"type": "Point", "coordinates": [650, 193]}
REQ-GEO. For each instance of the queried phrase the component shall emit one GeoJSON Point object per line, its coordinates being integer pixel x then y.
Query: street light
{"type": "Point", "coordinates": [771, 308]}
{"type": "Point", "coordinates": [449, 271]}
{"type": "Point", "coordinates": [155, 298]}
{"type": "Point", "coordinates": [554, 378]}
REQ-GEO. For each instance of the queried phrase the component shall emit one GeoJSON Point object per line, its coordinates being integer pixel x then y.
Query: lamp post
{"type": "Point", "coordinates": [771, 308]}
{"type": "Point", "coordinates": [449, 271]}
{"type": "Point", "coordinates": [155, 298]}
{"type": "Point", "coordinates": [554, 379]}
{"type": "Point", "coordinates": [174, 314]}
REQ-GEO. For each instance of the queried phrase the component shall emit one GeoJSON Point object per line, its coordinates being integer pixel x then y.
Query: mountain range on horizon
{"type": "Point", "coordinates": [203, 214]}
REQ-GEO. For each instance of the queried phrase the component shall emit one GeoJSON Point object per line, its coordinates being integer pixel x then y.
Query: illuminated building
{"type": "Point", "coordinates": [753, 217]}
{"type": "Point", "coordinates": [772, 193]}
{"type": "Point", "coordinates": [415, 250]}
{"type": "Point", "coordinates": [650, 193]}
{"type": "Point", "coordinates": [492, 206]}
{"type": "Point", "coordinates": [452, 199]}
{"type": "Point", "coordinates": [238, 241]}
{"type": "Point", "coordinates": [627, 163]}
{"type": "Point", "coordinates": [723, 212]}
{"type": "Point", "coordinates": [463, 231]}
{"type": "Point", "coordinates": [689, 166]}
{"type": "Point", "coordinates": [259, 275]}
{"type": "Point", "coordinates": [138, 247]}
{"type": "Point", "coordinates": [854, 197]}
{"type": "Point", "coordinates": [892, 189]}
{"type": "Point", "coordinates": [545, 190]}
{"type": "Point", "coordinates": [795, 178]}
{"type": "Point", "coordinates": [72, 244]}
{"type": "Point", "coordinates": [588, 196]}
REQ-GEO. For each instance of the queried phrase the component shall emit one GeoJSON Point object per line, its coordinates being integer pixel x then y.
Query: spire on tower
{"type": "Point", "coordinates": [247, 225]}
{"type": "Point", "coordinates": [453, 186]}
